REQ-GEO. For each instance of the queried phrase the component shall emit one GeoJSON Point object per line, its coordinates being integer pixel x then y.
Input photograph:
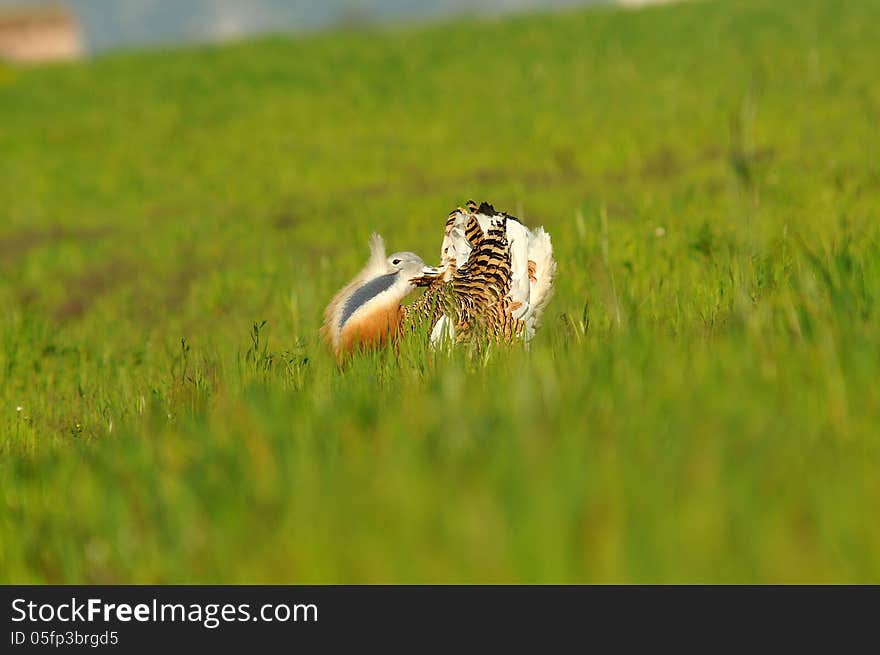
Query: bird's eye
{"type": "Point", "coordinates": [395, 261]}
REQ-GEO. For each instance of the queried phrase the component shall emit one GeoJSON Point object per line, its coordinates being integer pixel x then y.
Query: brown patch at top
{"type": "Point", "coordinates": [664, 164]}
{"type": "Point", "coordinates": [86, 289]}
{"type": "Point", "coordinates": [284, 221]}
{"type": "Point", "coordinates": [18, 244]}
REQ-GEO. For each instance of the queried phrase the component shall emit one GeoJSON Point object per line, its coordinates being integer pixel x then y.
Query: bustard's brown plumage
{"type": "Point", "coordinates": [495, 279]}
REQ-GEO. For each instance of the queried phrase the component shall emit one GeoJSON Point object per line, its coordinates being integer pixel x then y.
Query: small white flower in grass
{"type": "Point", "coordinates": [19, 408]}
{"type": "Point", "coordinates": [660, 231]}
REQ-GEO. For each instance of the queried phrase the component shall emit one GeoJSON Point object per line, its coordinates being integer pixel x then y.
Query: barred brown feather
{"type": "Point", "coordinates": [474, 295]}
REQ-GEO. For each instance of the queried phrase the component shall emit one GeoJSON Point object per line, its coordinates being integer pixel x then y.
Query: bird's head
{"type": "Point", "coordinates": [408, 266]}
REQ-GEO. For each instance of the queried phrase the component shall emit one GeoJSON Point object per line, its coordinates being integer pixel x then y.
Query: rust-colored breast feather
{"type": "Point", "coordinates": [371, 330]}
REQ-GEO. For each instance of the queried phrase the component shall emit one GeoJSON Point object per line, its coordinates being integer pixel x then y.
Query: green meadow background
{"type": "Point", "coordinates": [701, 405]}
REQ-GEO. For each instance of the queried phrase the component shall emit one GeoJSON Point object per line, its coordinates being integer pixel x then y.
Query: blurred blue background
{"type": "Point", "coordinates": [109, 24]}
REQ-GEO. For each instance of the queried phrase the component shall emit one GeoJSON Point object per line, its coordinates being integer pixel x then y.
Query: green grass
{"type": "Point", "coordinates": [702, 403]}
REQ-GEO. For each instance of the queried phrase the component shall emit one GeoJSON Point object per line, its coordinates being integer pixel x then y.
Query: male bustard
{"type": "Point", "coordinates": [495, 278]}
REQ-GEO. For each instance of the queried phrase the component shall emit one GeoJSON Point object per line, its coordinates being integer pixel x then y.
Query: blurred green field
{"type": "Point", "coordinates": [702, 404]}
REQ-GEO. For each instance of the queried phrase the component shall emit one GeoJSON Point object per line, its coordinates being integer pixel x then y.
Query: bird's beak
{"type": "Point", "coordinates": [426, 279]}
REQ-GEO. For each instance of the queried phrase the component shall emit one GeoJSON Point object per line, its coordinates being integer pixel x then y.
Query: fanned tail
{"type": "Point", "coordinates": [497, 276]}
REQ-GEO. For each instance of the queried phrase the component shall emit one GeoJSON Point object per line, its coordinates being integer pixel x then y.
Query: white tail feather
{"type": "Point", "coordinates": [455, 247]}
{"type": "Point", "coordinates": [519, 238]}
{"type": "Point", "coordinates": [540, 252]}
{"type": "Point", "coordinates": [443, 333]}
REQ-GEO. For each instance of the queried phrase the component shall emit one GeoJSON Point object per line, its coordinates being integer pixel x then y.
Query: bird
{"type": "Point", "coordinates": [367, 311]}
{"type": "Point", "coordinates": [496, 279]}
